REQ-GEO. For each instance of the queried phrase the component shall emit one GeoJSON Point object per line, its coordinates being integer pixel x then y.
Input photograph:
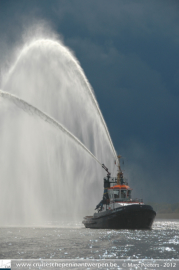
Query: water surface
{"type": "Point", "coordinates": [77, 242]}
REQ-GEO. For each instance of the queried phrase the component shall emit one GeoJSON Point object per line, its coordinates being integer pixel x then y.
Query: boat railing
{"type": "Point", "coordinates": [137, 200]}
{"type": "Point", "coordinates": [127, 200]}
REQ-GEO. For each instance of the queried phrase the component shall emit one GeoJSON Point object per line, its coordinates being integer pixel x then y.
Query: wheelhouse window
{"type": "Point", "coordinates": [116, 194]}
{"type": "Point", "coordinates": [119, 194]}
{"type": "Point", "coordinates": [123, 193]}
{"type": "Point", "coordinates": [129, 194]}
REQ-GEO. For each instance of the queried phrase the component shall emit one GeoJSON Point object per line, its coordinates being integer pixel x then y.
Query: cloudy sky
{"type": "Point", "coordinates": [129, 52]}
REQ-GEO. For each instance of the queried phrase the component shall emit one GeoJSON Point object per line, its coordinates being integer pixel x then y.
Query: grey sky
{"type": "Point", "coordinates": [129, 52]}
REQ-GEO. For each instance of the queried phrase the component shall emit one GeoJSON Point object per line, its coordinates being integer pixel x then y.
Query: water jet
{"type": "Point", "coordinates": [46, 175]}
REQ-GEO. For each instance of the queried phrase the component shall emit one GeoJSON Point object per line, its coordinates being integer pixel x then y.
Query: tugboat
{"type": "Point", "coordinates": [117, 209]}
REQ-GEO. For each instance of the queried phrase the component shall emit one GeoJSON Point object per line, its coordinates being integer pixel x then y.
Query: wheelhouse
{"type": "Point", "coordinates": [120, 193]}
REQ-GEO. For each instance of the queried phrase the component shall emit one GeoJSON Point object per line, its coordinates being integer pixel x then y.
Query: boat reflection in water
{"type": "Point", "coordinates": [117, 209]}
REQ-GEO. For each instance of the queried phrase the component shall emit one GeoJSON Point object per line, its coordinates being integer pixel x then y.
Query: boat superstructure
{"type": "Point", "coordinates": [117, 209]}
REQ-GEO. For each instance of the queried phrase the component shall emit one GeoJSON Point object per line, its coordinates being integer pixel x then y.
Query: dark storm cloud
{"type": "Point", "coordinates": [129, 52]}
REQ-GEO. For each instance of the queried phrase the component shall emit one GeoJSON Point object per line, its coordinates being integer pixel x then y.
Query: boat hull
{"type": "Point", "coordinates": [126, 217]}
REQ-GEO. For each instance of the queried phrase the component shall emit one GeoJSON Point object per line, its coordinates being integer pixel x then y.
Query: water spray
{"type": "Point", "coordinates": [33, 110]}
{"type": "Point", "coordinates": [42, 168]}
{"type": "Point", "coordinates": [68, 55]}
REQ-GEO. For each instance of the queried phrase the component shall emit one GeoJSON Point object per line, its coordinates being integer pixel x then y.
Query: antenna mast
{"type": "Point", "coordinates": [120, 173]}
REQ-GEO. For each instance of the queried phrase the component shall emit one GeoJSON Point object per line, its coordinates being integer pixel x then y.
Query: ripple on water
{"type": "Point", "coordinates": [70, 243]}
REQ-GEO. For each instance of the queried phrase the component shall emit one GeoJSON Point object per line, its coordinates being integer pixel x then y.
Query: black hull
{"type": "Point", "coordinates": [127, 217]}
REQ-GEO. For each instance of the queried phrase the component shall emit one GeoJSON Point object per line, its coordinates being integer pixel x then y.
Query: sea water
{"type": "Point", "coordinates": [74, 241]}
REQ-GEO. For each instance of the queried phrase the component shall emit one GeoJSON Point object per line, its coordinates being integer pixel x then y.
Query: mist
{"type": "Point", "coordinates": [48, 177]}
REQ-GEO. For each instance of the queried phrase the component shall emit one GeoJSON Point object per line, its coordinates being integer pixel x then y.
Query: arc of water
{"type": "Point", "coordinates": [75, 61]}
{"type": "Point", "coordinates": [33, 110]}
{"type": "Point", "coordinates": [96, 105]}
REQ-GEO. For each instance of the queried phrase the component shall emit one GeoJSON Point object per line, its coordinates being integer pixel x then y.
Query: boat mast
{"type": "Point", "coordinates": [120, 173]}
